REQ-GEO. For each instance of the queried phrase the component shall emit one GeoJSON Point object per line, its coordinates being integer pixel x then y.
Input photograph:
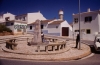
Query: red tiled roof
{"type": "Point", "coordinates": [17, 21]}
{"type": "Point", "coordinates": [56, 22]}
{"type": "Point", "coordinates": [33, 23]}
{"type": "Point", "coordinates": [42, 21]}
{"type": "Point", "coordinates": [46, 21]}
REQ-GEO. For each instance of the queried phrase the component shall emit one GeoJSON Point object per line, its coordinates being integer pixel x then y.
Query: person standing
{"type": "Point", "coordinates": [77, 40]}
{"type": "Point", "coordinates": [42, 36]}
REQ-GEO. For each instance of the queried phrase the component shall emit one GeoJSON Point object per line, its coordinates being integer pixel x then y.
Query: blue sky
{"type": "Point", "coordinates": [49, 8]}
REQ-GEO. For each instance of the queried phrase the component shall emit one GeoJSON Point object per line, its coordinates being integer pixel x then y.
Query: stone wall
{"type": "Point", "coordinates": [6, 33]}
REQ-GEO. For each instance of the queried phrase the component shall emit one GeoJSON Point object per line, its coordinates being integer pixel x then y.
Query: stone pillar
{"type": "Point", "coordinates": [53, 48]}
{"type": "Point", "coordinates": [38, 48]}
{"type": "Point", "coordinates": [37, 32]}
{"type": "Point", "coordinates": [62, 46]}
{"type": "Point", "coordinates": [46, 48]}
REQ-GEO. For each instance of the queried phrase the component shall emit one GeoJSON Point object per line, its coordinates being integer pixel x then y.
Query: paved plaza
{"type": "Point", "coordinates": [28, 52]}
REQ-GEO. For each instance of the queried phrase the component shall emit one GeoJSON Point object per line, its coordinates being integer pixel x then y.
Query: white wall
{"type": "Point", "coordinates": [52, 28]}
{"type": "Point", "coordinates": [32, 17]}
{"type": "Point", "coordinates": [2, 18]}
{"type": "Point", "coordinates": [99, 21]}
{"type": "Point", "coordinates": [45, 26]}
{"type": "Point", "coordinates": [12, 17]}
{"type": "Point", "coordinates": [28, 28]}
{"type": "Point", "coordinates": [94, 26]}
{"type": "Point", "coordinates": [65, 24]}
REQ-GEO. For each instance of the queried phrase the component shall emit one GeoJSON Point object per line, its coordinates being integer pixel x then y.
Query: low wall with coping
{"type": "Point", "coordinates": [58, 47]}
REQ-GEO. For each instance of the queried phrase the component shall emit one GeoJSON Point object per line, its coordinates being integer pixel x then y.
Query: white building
{"type": "Point", "coordinates": [6, 16]}
{"type": "Point", "coordinates": [9, 20]}
{"type": "Point", "coordinates": [57, 27]}
{"type": "Point", "coordinates": [17, 27]}
{"type": "Point", "coordinates": [30, 17]}
{"type": "Point", "coordinates": [89, 24]}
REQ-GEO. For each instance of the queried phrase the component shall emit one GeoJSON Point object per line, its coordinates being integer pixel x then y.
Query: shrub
{"type": "Point", "coordinates": [4, 28]}
{"type": "Point", "coordinates": [8, 30]}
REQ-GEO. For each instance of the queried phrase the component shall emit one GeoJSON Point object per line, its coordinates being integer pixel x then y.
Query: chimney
{"type": "Point", "coordinates": [88, 10]}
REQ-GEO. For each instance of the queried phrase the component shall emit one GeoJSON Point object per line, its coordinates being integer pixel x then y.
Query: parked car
{"type": "Point", "coordinates": [97, 42]}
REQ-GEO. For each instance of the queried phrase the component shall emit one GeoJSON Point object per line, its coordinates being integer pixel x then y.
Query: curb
{"type": "Point", "coordinates": [61, 59]}
{"type": "Point", "coordinates": [37, 53]}
{"type": "Point", "coordinates": [88, 52]}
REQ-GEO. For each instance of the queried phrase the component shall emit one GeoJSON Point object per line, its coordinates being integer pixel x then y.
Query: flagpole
{"type": "Point", "coordinates": [79, 26]}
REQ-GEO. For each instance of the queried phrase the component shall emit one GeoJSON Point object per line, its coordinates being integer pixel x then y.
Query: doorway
{"type": "Point", "coordinates": [65, 31]}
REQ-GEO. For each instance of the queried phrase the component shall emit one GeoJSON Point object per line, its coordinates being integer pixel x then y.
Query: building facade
{"type": "Point", "coordinates": [6, 16]}
{"type": "Point", "coordinates": [30, 17]}
{"type": "Point", "coordinates": [58, 27]}
{"type": "Point", "coordinates": [17, 26]}
{"type": "Point", "coordinates": [89, 24]}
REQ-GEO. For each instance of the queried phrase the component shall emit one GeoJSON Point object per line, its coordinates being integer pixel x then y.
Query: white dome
{"type": "Point", "coordinates": [61, 12]}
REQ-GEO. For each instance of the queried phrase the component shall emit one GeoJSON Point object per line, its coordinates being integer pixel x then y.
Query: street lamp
{"type": "Point", "coordinates": [79, 26]}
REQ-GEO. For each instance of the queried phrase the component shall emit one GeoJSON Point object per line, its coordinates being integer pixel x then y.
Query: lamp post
{"type": "Point", "coordinates": [79, 26]}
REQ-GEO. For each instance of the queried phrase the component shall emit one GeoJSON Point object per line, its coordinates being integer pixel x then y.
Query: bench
{"type": "Point", "coordinates": [50, 39]}
{"type": "Point", "coordinates": [53, 47]}
{"type": "Point", "coordinates": [10, 44]}
{"type": "Point", "coordinates": [57, 46]}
